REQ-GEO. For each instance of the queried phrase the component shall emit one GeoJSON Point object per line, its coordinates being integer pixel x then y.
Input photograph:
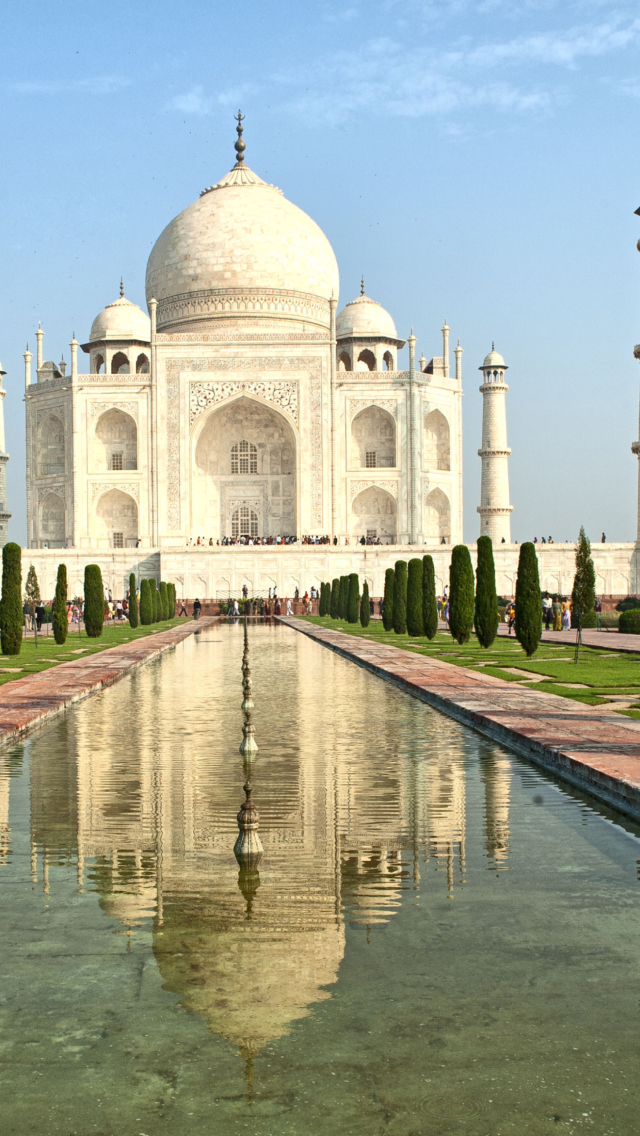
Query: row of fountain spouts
{"type": "Point", "coordinates": [248, 847]}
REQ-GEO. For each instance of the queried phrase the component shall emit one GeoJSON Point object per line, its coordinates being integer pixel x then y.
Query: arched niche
{"type": "Point", "coordinates": [142, 364]}
{"type": "Point", "coordinates": [98, 364]}
{"type": "Point", "coordinates": [389, 361]}
{"type": "Point", "coordinates": [116, 520]}
{"type": "Point", "coordinates": [120, 364]}
{"type": "Point", "coordinates": [52, 521]}
{"type": "Point", "coordinates": [437, 518]}
{"type": "Point", "coordinates": [373, 514]}
{"type": "Point", "coordinates": [344, 361]}
{"type": "Point", "coordinates": [244, 456]}
{"type": "Point", "coordinates": [115, 441]}
{"type": "Point", "coordinates": [51, 446]}
{"type": "Point", "coordinates": [437, 445]}
{"type": "Point", "coordinates": [373, 439]}
{"type": "Point", "coordinates": [366, 361]}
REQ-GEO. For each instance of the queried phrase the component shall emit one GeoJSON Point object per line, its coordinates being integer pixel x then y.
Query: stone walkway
{"type": "Point", "coordinates": [586, 745]}
{"type": "Point", "coordinates": [30, 701]}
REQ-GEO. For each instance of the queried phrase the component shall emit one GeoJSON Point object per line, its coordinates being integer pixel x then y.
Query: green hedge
{"type": "Point", "coordinates": [387, 609]}
{"type": "Point", "coordinates": [333, 603]}
{"type": "Point", "coordinates": [400, 598]}
{"type": "Point", "coordinates": [11, 603]}
{"type": "Point", "coordinates": [365, 607]}
{"type": "Point", "coordinates": [415, 620]}
{"type": "Point", "coordinates": [486, 612]}
{"type": "Point", "coordinates": [146, 609]}
{"type": "Point", "coordinates": [133, 601]}
{"type": "Point", "coordinates": [461, 598]}
{"type": "Point", "coordinates": [164, 600]}
{"type": "Point", "coordinates": [429, 601]}
{"type": "Point", "coordinates": [93, 601]}
{"type": "Point", "coordinates": [353, 598]}
{"type": "Point", "coordinates": [528, 600]}
{"type": "Point", "coordinates": [60, 621]}
{"type": "Point", "coordinates": [343, 597]}
{"type": "Point", "coordinates": [629, 622]}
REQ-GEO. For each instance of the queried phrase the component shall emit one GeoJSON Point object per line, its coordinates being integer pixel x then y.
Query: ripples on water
{"type": "Point", "coordinates": [434, 926]}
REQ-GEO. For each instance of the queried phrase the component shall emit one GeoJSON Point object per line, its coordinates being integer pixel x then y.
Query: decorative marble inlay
{"type": "Point", "coordinates": [358, 487]}
{"type": "Point", "coordinates": [96, 408]}
{"type": "Point", "coordinates": [99, 487]}
{"type": "Point", "coordinates": [238, 302]}
{"type": "Point", "coordinates": [45, 490]}
{"type": "Point", "coordinates": [358, 404]}
{"type": "Point", "coordinates": [202, 395]}
{"type": "Point", "coordinates": [52, 408]}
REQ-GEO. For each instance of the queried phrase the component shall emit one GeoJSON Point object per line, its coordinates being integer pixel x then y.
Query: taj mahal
{"type": "Point", "coordinates": [247, 404]}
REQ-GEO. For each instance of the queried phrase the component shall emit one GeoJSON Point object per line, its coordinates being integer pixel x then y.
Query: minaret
{"type": "Point", "coordinates": [635, 449]}
{"type": "Point", "coordinates": [4, 458]}
{"type": "Point", "coordinates": [494, 508]}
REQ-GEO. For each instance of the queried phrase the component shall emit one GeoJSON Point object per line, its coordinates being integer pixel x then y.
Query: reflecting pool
{"type": "Point", "coordinates": [438, 938]}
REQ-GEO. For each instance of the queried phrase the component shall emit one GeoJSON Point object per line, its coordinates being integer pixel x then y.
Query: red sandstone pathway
{"type": "Point", "coordinates": [587, 745]}
{"type": "Point", "coordinates": [29, 701]}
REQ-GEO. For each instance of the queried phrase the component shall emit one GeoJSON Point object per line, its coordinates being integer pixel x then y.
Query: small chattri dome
{"type": "Point", "coordinates": [493, 359]}
{"type": "Point", "coordinates": [121, 320]}
{"type": "Point", "coordinates": [365, 318]}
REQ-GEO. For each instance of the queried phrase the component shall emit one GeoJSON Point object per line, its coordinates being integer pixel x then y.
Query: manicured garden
{"type": "Point", "coordinates": [47, 653]}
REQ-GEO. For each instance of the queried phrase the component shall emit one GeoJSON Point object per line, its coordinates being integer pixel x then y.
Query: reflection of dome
{"type": "Point", "coordinates": [249, 978]}
{"type": "Point", "coordinates": [121, 320]}
{"type": "Point", "coordinates": [242, 250]}
{"type": "Point", "coordinates": [364, 317]}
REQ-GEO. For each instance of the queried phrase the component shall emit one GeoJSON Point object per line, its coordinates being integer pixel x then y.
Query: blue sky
{"type": "Point", "coordinates": [475, 160]}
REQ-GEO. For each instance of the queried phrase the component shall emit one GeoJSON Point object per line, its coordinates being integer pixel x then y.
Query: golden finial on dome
{"type": "Point", "coordinates": [239, 145]}
{"type": "Point", "coordinates": [362, 285]}
{"type": "Point", "coordinates": [121, 287]}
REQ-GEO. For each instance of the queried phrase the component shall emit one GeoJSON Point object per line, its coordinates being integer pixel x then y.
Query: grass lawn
{"type": "Point", "coordinates": [600, 674]}
{"type": "Point", "coordinates": [48, 654]}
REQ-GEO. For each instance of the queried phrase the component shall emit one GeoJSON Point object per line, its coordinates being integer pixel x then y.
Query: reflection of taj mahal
{"type": "Point", "coordinates": [245, 403]}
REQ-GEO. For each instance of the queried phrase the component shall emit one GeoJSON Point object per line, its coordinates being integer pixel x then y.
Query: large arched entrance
{"type": "Point", "coordinates": [244, 473]}
{"type": "Point", "coordinates": [116, 520]}
{"type": "Point", "coordinates": [374, 515]}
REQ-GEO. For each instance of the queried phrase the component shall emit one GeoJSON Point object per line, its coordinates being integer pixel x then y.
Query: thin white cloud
{"type": "Point", "coordinates": [192, 102]}
{"type": "Point", "coordinates": [95, 85]}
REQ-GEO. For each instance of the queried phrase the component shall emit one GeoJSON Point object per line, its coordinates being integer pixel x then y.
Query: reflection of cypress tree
{"type": "Point", "coordinates": [365, 609]}
{"type": "Point", "coordinates": [400, 598]}
{"type": "Point", "coordinates": [343, 597]}
{"type": "Point", "coordinates": [133, 601]}
{"type": "Point", "coordinates": [415, 622]}
{"type": "Point", "coordinates": [387, 610]}
{"type": "Point", "coordinates": [59, 617]}
{"type": "Point", "coordinates": [461, 594]}
{"type": "Point", "coordinates": [353, 601]}
{"type": "Point", "coordinates": [486, 613]}
{"type": "Point", "coordinates": [429, 601]}
{"type": "Point", "coordinates": [335, 592]}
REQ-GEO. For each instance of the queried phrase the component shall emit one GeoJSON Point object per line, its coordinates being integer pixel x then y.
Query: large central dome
{"type": "Point", "coordinates": [242, 251]}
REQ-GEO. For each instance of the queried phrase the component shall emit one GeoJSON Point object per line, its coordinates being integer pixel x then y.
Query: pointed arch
{"type": "Point", "coordinates": [374, 514]}
{"type": "Point", "coordinates": [115, 441]}
{"type": "Point", "coordinates": [373, 439]}
{"type": "Point", "coordinates": [52, 521]}
{"type": "Point", "coordinates": [437, 518]}
{"type": "Point", "coordinates": [116, 520]}
{"type": "Point", "coordinates": [51, 456]}
{"type": "Point", "coordinates": [437, 443]}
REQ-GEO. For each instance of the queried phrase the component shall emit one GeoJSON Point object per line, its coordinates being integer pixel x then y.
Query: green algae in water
{"type": "Point", "coordinates": [438, 938]}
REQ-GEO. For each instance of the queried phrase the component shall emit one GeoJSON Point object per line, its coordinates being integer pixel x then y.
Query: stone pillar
{"type": "Point", "coordinates": [153, 472]}
{"type": "Point", "coordinates": [494, 508]}
{"type": "Point", "coordinates": [413, 471]}
{"type": "Point", "coordinates": [74, 356]}
{"type": "Point", "coordinates": [27, 367]}
{"type": "Point", "coordinates": [39, 338]}
{"type": "Point", "coordinates": [635, 449]}
{"type": "Point", "coordinates": [4, 458]}
{"type": "Point", "coordinates": [445, 348]}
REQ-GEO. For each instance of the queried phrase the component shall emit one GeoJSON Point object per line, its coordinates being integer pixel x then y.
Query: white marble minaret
{"type": "Point", "coordinates": [4, 458]}
{"type": "Point", "coordinates": [494, 508]}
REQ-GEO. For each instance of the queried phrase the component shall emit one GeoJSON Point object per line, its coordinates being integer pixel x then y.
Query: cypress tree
{"type": "Point", "coordinates": [365, 612]}
{"type": "Point", "coordinates": [583, 595]}
{"type": "Point", "coordinates": [146, 609]}
{"type": "Point", "coordinates": [321, 599]}
{"type": "Point", "coordinates": [353, 599]}
{"type": "Point", "coordinates": [335, 592]}
{"type": "Point", "coordinates": [11, 603]}
{"type": "Point", "coordinates": [461, 594]}
{"type": "Point", "coordinates": [415, 621]}
{"type": "Point", "coordinates": [171, 593]}
{"type": "Point", "coordinates": [32, 589]}
{"type": "Point", "coordinates": [528, 600]}
{"type": "Point", "coordinates": [429, 602]}
{"type": "Point", "coordinates": [400, 598]}
{"type": "Point", "coordinates": [343, 597]}
{"type": "Point", "coordinates": [93, 601]}
{"type": "Point", "coordinates": [486, 615]}
{"type": "Point", "coordinates": [387, 606]}
{"type": "Point", "coordinates": [133, 601]}
{"type": "Point", "coordinates": [59, 615]}
{"type": "Point", "coordinates": [153, 593]}
{"type": "Point", "coordinates": [325, 598]}
{"type": "Point", "coordinates": [164, 600]}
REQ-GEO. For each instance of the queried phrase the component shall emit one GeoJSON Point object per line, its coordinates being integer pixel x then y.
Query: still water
{"type": "Point", "coordinates": [440, 939]}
